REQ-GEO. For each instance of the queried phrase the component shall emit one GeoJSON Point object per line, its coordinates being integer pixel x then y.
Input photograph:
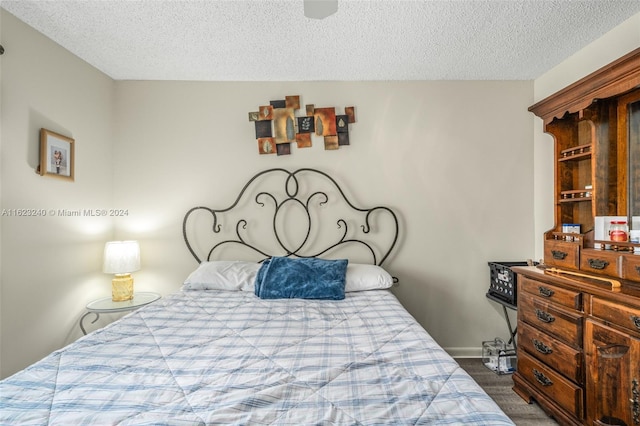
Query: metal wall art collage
{"type": "Point", "coordinates": [278, 126]}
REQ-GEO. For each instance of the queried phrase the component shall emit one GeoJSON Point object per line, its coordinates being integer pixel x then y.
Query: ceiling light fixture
{"type": "Point", "coordinates": [320, 9]}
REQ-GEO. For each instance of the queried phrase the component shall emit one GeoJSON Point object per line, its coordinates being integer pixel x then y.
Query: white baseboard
{"type": "Point", "coordinates": [473, 352]}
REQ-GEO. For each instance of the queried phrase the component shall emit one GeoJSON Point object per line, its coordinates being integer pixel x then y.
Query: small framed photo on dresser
{"type": "Point", "coordinates": [57, 156]}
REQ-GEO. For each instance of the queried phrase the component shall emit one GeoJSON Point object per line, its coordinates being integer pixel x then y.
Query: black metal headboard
{"type": "Point", "coordinates": [275, 203]}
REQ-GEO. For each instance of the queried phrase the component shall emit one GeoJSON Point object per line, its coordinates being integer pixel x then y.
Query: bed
{"type": "Point", "coordinates": [243, 342]}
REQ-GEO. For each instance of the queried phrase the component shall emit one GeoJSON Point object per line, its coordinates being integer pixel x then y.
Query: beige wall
{"type": "Point", "coordinates": [614, 44]}
{"type": "Point", "coordinates": [454, 158]}
{"type": "Point", "coordinates": [49, 265]}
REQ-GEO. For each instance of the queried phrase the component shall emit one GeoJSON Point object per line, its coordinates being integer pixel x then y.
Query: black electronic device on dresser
{"type": "Point", "coordinates": [579, 314]}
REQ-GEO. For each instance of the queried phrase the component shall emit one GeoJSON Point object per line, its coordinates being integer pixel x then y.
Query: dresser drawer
{"type": "Point", "coordinates": [562, 254]}
{"type": "Point", "coordinates": [564, 393]}
{"type": "Point", "coordinates": [600, 262]}
{"type": "Point", "coordinates": [569, 298]}
{"type": "Point", "coordinates": [631, 267]}
{"type": "Point", "coordinates": [552, 352]}
{"type": "Point", "coordinates": [553, 319]}
{"type": "Point", "coordinates": [616, 314]}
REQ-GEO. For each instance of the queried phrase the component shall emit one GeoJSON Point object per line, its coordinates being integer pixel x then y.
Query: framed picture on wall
{"type": "Point", "coordinates": [56, 155]}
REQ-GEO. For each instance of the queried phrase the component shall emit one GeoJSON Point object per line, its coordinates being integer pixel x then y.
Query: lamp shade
{"type": "Point", "coordinates": [121, 257]}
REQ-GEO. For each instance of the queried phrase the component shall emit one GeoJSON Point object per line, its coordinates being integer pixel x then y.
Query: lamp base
{"type": "Point", "coordinates": [122, 288]}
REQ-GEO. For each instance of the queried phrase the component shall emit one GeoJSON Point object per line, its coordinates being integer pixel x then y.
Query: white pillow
{"type": "Point", "coordinates": [223, 275]}
{"type": "Point", "coordinates": [362, 277]}
{"type": "Point", "coordinates": [240, 275]}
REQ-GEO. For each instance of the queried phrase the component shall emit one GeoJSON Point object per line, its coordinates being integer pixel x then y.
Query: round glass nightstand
{"type": "Point", "coordinates": [106, 306]}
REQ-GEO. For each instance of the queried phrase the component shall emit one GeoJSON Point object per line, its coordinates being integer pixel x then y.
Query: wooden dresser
{"type": "Point", "coordinates": [578, 348]}
{"type": "Point", "coordinates": [579, 311]}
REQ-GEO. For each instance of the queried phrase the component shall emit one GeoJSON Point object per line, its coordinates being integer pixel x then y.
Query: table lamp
{"type": "Point", "coordinates": [121, 258]}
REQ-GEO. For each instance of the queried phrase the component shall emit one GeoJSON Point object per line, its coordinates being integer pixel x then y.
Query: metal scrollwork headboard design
{"type": "Point", "coordinates": [307, 203]}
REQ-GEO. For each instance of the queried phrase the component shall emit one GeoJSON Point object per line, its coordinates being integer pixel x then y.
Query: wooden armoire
{"type": "Point", "coordinates": [579, 311]}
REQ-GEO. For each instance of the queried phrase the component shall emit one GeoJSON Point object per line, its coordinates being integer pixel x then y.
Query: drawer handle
{"type": "Point", "coordinates": [558, 255]}
{"type": "Point", "coordinates": [638, 269]}
{"type": "Point", "coordinates": [544, 316]}
{"type": "Point", "coordinates": [613, 351]}
{"type": "Point", "coordinates": [541, 378]}
{"type": "Point", "coordinates": [598, 263]}
{"type": "Point", "coordinates": [636, 321]}
{"type": "Point", "coordinates": [545, 292]}
{"type": "Point", "coordinates": [541, 347]}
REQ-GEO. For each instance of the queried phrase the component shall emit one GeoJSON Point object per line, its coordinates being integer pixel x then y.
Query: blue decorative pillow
{"type": "Point", "coordinates": [305, 278]}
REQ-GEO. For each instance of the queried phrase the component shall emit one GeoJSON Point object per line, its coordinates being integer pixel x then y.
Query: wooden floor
{"type": "Point", "coordinates": [499, 388]}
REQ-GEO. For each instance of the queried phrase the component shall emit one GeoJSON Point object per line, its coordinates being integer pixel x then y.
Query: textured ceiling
{"type": "Point", "coordinates": [265, 40]}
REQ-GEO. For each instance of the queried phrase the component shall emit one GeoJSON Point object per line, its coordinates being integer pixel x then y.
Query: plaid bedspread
{"type": "Point", "coordinates": [228, 357]}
